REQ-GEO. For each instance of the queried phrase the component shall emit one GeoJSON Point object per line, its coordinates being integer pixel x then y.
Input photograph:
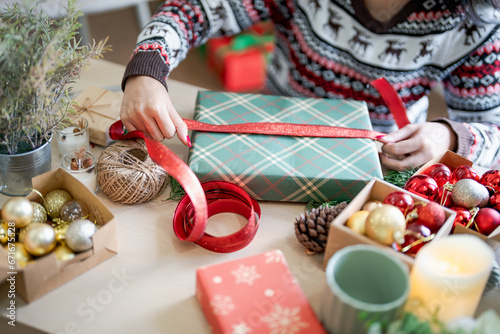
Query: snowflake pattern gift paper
{"type": "Point", "coordinates": [284, 168]}
{"type": "Point", "coordinates": [256, 294]}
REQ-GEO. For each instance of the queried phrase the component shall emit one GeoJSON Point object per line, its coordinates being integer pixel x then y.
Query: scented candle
{"type": "Point", "coordinates": [73, 136]}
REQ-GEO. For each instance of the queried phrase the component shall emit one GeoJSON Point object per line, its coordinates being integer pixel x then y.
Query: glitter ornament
{"type": "Point", "coordinates": [63, 253]}
{"type": "Point", "coordinates": [385, 224]}
{"type": "Point", "coordinates": [491, 180]}
{"type": "Point", "coordinates": [73, 210]}
{"type": "Point", "coordinates": [18, 210]}
{"type": "Point", "coordinates": [487, 220]}
{"type": "Point", "coordinates": [79, 235]}
{"type": "Point", "coordinates": [443, 197]}
{"type": "Point", "coordinates": [40, 239]}
{"type": "Point", "coordinates": [371, 205]}
{"type": "Point", "coordinates": [20, 253]}
{"type": "Point", "coordinates": [54, 200]}
{"type": "Point", "coordinates": [430, 214]}
{"type": "Point", "coordinates": [39, 213]}
{"type": "Point", "coordinates": [400, 200]}
{"type": "Point", "coordinates": [495, 201]}
{"type": "Point", "coordinates": [463, 216]}
{"type": "Point", "coordinates": [357, 221]}
{"type": "Point", "coordinates": [469, 193]}
{"type": "Point", "coordinates": [465, 172]}
{"type": "Point", "coordinates": [440, 173]}
{"type": "Point", "coordinates": [422, 185]}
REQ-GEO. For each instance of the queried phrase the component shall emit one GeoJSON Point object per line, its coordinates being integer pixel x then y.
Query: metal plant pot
{"type": "Point", "coordinates": [17, 170]}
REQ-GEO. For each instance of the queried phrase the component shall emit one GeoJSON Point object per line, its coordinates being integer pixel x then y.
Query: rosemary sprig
{"type": "Point", "coordinates": [176, 190]}
{"type": "Point", "coordinates": [313, 205]}
{"type": "Point", "coordinates": [399, 178]}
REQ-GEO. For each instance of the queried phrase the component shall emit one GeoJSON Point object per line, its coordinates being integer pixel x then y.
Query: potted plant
{"type": "Point", "coordinates": [39, 58]}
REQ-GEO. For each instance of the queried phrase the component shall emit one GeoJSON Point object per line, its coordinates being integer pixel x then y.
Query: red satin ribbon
{"type": "Point", "coordinates": [392, 100]}
{"type": "Point", "coordinates": [202, 201]}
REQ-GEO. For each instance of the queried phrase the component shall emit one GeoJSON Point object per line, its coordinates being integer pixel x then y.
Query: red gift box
{"type": "Point", "coordinates": [241, 61]}
{"type": "Point", "coordinates": [257, 294]}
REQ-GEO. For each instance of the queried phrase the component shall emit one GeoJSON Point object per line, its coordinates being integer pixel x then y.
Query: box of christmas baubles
{"type": "Point", "coordinates": [59, 231]}
{"type": "Point", "coordinates": [393, 218]}
{"type": "Point", "coordinates": [472, 192]}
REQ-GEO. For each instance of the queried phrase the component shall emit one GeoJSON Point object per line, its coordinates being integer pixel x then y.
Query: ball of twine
{"type": "Point", "coordinates": [127, 175]}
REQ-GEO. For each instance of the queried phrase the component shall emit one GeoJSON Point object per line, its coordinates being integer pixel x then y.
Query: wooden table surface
{"type": "Point", "coordinates": [156, 271]}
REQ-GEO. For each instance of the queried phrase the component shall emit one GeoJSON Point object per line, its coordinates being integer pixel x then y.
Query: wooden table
{"type": "Point", "coordinates": [149, 286]}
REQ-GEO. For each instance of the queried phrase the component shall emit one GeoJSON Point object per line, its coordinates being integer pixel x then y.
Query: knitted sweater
{"type": "Point", "coordinates": [334, 49]}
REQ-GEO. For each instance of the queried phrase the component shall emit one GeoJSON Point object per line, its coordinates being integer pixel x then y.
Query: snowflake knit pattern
{"type": "Point", "coordinates": [334, 49]}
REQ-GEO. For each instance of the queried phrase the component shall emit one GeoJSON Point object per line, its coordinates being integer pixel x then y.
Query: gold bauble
{"type": "Point", "coordinates": [18, 210]}
{"type": "Point", "coordinates": [22, 232]}
{"type": "Point", "coordinates": [39, 213]}
{"type": "Point", "coordinates": [372, 205]}
{"type": "Point", "coordinates": [4, 232]}
{"type": "Point", "coordinates": [20, 253]}
{"type": "Point", "coordinates": [385, 224]}
{"type": "Point", "coordinates": [357, 221]}
{"type": "Point", "coordinates": [63, 253]}
{"type": "Point", "coordinates": [40, 239]}
{"type": "Point", "coordinates": [54, 200]}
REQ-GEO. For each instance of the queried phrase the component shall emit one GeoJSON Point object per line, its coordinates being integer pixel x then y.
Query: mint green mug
{"type": "Point", "coordinates": [365, 284]}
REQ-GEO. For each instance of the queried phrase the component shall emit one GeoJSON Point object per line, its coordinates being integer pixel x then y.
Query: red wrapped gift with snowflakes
{"type": "Point", "coordinates": [257, 294]}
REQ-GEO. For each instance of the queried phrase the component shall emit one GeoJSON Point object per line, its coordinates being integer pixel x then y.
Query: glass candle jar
{"type": "Point", "coordinates": [73, 135]}
{"type": "Point", "coordinates": [81, 165]}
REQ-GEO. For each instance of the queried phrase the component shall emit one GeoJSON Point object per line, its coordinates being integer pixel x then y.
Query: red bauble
{"type": "Point", "coordinates": [495, 201]}
{"type": "Point", "coordinates": [463, 216]}
{"type": "Point", "coordinates": [491, 180]}
{"type": "Point", "coordinates": [440, 173]}
{"type": "Point", "coordinates": [422, 185]}
{"type": "Point", "coordinates": [431, 215]}
{"type": "Point", "coordinates": [400, 200]}
{"type": "Point", "coordinates": [414, 232]}
{"type": "Point", "coordinates": [487, 220]}
{"type": "Point", "coordinates": [443, 197]}
{"type": "Point", "coordinates": [465, 172]}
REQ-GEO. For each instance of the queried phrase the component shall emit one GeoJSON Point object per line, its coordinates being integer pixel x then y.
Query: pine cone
{"type": "Point", "coordinates": [311, 228]}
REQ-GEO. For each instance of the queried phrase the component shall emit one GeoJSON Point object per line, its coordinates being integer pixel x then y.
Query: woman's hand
{"type": "Point", "coordinates": [415, 144]}
{"type": "Point", "coordinates": [146, 106]}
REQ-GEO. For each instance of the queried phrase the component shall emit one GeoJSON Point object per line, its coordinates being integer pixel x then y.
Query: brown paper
{"type": "Point", "coordinates": [341, 236]}
{"type": "Point", "coordinates": [47, 273]}
{"type": "Point", "coordinates": [101, 108]}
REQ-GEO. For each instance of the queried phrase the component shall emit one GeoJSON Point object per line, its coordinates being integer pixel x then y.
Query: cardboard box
{"type": "Point", "coordinates": [284, 168]}
{"type": "Point", "coordinates": [256, 294]}
{"type": "Point", "coordinates": [101, 108]}
{"type": "Point", "coordinates": [449, 158]}
{"type": "Point", "coordinates": [47, 273]}
{"type": "Point", "coordinates": [341, 236]}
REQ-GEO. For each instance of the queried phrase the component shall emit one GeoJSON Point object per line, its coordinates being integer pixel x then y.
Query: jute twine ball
{"type": "Point", "coordinates": [127, 175]}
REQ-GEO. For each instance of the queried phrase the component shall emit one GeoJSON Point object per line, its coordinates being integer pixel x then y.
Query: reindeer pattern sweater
{"type": "Point", "coordinates": [334, 49]}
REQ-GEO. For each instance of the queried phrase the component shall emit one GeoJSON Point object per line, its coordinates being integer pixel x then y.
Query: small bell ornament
{"type": "Point", "coordinates": [311, 228]}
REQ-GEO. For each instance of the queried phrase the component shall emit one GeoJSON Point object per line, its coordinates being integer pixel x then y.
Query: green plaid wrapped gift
{"type": "Point", "coordinates": [284, 168]}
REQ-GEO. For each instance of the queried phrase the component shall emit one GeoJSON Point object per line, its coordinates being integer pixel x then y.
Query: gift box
{"type": "Point", "coordinates": [101, 108]}
{"type": "Point", "coordinates": [240, 61]}
{"type": "Point", "coordinates": [256, 294]}
{"type": "Point", "coordinates": [44, 274]}
{"type": "Point", "coordinates": [340, 236]}
{"type": "Point", "coordinates": [284, 168]}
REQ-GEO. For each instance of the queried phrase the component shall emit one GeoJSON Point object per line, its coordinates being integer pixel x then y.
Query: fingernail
{"type": "Point", "coordinates": [188, 141]}
{"type": "Point", "coordinates": [380, 137]}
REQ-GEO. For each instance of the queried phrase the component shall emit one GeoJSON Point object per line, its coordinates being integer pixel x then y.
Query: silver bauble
{"type": "Point", "coordinates": [469, 193]}
{"type": "Point", "coordinates": [79, 235]}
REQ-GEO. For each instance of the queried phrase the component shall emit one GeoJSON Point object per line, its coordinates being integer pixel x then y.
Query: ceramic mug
{"type": "Point", "coordinates": [364, 285]}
